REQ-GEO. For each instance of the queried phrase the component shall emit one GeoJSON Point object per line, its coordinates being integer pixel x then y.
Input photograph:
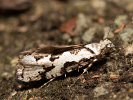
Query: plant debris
{"type": "Point", "coordinates": [68, 26]}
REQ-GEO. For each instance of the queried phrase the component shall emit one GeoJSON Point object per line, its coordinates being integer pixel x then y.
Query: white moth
{"type": "Point", "coordinates": [53, 61]}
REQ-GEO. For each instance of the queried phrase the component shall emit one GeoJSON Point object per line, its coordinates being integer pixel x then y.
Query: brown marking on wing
{"type": "Point", "coordinates": [47, 69]}
{"type": "Point", "coordinates": [52, 58]}
{"type": "Point", "coordinates": [38, 57]}
{"type": "Point", "coordinates": [84, 62]}
{"type": "Point", "coordinates": [69, 67]}
{"type": "Point", "coordinates": [75, 51]}
{"type": "Point", "coordinates": [29, 52]}
{"type": "Point", "coordinates": [54, 50]}
{"type": "Point", "coordinates": [91, 51]}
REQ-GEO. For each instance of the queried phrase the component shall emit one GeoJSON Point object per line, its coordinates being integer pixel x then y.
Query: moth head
{"type": "Point", "coordinates": [106, 46]}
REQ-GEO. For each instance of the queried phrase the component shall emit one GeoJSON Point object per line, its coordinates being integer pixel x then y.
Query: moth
{"type": "Point", "coordinates": [51, 62]}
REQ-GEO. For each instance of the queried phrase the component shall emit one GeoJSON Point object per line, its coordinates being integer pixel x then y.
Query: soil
{"type": "Point", "coordinates": [69, 22]}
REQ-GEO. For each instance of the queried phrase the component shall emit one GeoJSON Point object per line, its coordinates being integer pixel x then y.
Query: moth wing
{"type": "Point", "coordinates": [57, 49]}
{"type": "Point", "coordinates": [24, 53]}
{"type": "Point", "coordinates": [29, 73]}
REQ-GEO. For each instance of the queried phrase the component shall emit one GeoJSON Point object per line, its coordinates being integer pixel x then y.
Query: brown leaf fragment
{"type": "Point", "coordinates": [83, 81]}
{"type": "Point", "coordinates": [101, 20]}
{"type": "Point", "coordinates": [98, 19]}
{"type": "Point", "coordinates": [95, 76]}
{"type": "Point", "coordinates": [119, 29]}
{"type": "Point", "coordinates": [113, 76]}
{"type": "Point", "coordinates": [68, 26]}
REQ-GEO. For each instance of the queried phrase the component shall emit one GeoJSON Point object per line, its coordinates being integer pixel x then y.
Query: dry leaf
{"type": "Point", "coordinates": [68, 26]}
{"type": "Point", "coordinates": [101, 20]}
{"type": "Point", "coordinates": [119, 29]}
{"type": "Point", "coordinates": [95, 76]}
{"type": "Point", "coordinates": [113, 76]}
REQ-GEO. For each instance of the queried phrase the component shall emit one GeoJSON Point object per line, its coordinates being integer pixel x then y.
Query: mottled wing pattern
{"type": "Point", "coordinates": [52, 61]}
{"type": "Point", "coordinates": [28, 68]}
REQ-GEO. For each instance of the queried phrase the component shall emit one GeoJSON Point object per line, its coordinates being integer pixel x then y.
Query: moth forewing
{"type": "Point", "coordinates": [50, 62]}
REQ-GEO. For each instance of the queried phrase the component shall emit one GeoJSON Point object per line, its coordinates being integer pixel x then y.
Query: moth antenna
{"type": "Point", "coordinates": [110, 28]}
{"type": "Point", "coordinates": [109, 31]}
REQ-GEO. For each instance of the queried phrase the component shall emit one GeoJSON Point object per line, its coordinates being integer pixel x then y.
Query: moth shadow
{"type": "Point", "coordinates": [21, 86]}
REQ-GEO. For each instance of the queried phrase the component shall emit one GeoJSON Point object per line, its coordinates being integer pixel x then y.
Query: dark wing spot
{"type": "Point", "coordinates": [38, 57]}
{"type": "Point", "coordinates": [72, 52]}
{"type": "Point", "coordinates": [75, 51]}
{"type": "Point", "coordinates": [70, 66]}
{"type": "Point", "coordinates": [67, 64]}
{"type": "Point", "coordinates": [63, 70]}
{"type": "Point", "coordinates": [84, 61]}
{"type": "Point", "coordinates": [53, 58]}
{"type": "Point", "coordinates": [48, 68]}
{"type": "Point", "coordinates": [90, 50]}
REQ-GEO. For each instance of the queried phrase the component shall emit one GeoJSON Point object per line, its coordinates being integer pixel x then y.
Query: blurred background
{"type": "Point", "coordinates": [29, 24]}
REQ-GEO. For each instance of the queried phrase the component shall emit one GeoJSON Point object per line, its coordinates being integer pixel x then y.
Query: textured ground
{"type": "Point", "coordinates": [66, 22]}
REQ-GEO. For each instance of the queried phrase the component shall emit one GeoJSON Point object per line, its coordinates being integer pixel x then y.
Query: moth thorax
{"type": "Point", "coordinates": [106, 46]}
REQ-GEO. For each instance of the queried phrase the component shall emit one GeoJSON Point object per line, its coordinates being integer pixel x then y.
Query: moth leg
{"type": "Point", "coordinates": [78, 69]}
{"type": "Point", "coordinates": [47, 82]}
{"type": "Point", "coordinates": [85, 70]}
{"type": "Point", "coordinates": [65, 75]}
